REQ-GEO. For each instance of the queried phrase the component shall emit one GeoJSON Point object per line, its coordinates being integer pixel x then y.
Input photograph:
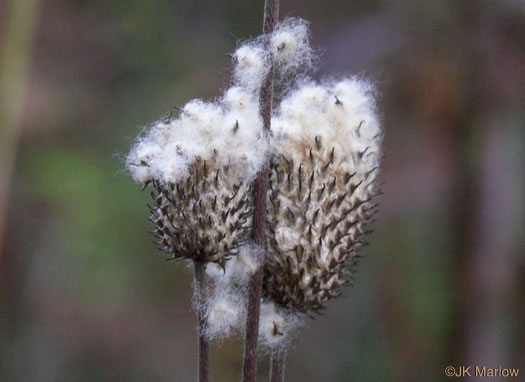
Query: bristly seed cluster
{"type": "Point", "coordinates": [315, 225]}
{"type": "Point", "coordinates": [204, 217]}
{"type": "Point", "coordinates": [324, 154]}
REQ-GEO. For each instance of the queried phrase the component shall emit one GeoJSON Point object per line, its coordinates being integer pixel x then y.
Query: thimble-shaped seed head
{"type": "Point", "coordinates": [323, 181]}
{"type": "Point", "coordinates": [201, 166]}
{"type": "Point", "coordinates": [205, 217]}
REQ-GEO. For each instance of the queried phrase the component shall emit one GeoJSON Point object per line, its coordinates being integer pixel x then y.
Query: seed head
{"type": "Point", "coordinates": [205, 217]}
{"type": "Point", "coordinates": [323, 182]}
{"type": "Point", "coordinates": [201, 166]}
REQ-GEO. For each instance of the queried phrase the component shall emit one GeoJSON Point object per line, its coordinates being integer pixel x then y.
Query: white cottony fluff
{"type": "Point", "coordinates": [226, 307]}
{"type": "Point", "coordinates": [342, 114]}
{"type": "Point", "coordinates": [276, 326]}
{"type": "Point", "coordinates": [290, 46]}
{"type": "Point", "coordinates": [228, 132]}
{"type": "Point", "coordinates": [251, 65]}
{"type": "Point", "coordinates": [214, 271]}
{"type": "Point", "coordinates": [238, 268]}
{"type": "Point", "coordinates": [225, 314]}
{"type": "Point", "coordinates": [245, 263]}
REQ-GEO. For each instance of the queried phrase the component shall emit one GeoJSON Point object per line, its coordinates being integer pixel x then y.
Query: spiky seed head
{"type": "Point", "coordinates": [201, 165]}
{"type": "Point", "coordinates": [322, 188]}
{"type": "Point", "coordinates": [317, 216]}
{"type": "Point", "coordinates": [205, 217]}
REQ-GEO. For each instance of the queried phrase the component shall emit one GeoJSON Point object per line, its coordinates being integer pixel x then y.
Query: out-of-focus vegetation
{"type": "Point", "coordinates": [85, 295]}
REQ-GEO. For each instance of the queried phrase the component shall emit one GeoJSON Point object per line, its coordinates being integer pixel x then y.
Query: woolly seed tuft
{"type": "Point", "coordinates": [323, 182]}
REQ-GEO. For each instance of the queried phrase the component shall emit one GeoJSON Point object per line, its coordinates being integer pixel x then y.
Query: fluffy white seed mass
{"type": "Point", "coordinates": [290, 47]}
{"type": "Point", "coordinates": [229, 132]}
{"type": "Point", "coordinates": [252, 64]}
{"type": "Point", "coordinates": [276, 326]}
{"type": "Point", "coordinates": [226, 308]}
{"type": "Point", "coordinates": [225, 314]}
{"type": "Point", "coordinates": [341, 113]}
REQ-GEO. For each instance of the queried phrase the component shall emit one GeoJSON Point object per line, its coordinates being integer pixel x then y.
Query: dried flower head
{"type": "Point", "coordinates": [205, 217]}
{"type": "Point", "coordinates": [202, 165]}
{"type": "Point", "coordinates": [325, 153]}
{"type": "Point", "coordinates": [327, 147]}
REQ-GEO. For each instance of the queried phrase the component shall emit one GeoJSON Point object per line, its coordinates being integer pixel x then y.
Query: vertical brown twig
{"type": "Point", "coordinates": [271, 14]}
{"type": "Point", "coordinates": [278, 362]}
{"type": "Point", "coordinates": [203, 342]}
{"type": "Point", "coordinates": [465, 183]}
{"type": "Point", "coordinates": [15, 55]}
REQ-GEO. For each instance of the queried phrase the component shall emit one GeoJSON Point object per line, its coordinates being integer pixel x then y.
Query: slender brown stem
{"type": "Point", "coordinates": [19, 19]}
{"type": "Point", "coordinates": [277, 365]}
{"type": "Point", "coordinates": [271, 14]}
{"type": "Point", "coordinates": [204, 350]}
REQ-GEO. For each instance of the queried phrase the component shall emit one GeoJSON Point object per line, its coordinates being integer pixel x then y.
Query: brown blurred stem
{"type": "Point", "coordinates": [278, 362]}
{"type": "Point", "coordinates": [271, 14]}
{"type": "Point", "coordinates": [465, 183]}
{"type": "Point", "coordinates": [19, 23]}
{"type": "Point", "coordinates": [204, 350]}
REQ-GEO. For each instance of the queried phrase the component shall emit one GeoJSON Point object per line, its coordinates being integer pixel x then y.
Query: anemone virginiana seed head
{"type": "Point", "coordinates": [324, 178]}
{"type": "Point", "coordinates": [201, 166]}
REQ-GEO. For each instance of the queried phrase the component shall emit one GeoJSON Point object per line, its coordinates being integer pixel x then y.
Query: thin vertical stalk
{"type": "Point", "coordinates": [203, 342]}
{"type": "Point", "coordinates": [16, 42]}
{"type": "Point", "coordinates": [271, 14]}
{"type": "Point", "coordinates": [278, 363]}
{"type": "Point", "coordinates": [463, 344]}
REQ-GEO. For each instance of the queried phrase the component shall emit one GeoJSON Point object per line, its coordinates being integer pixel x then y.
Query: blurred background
{"type": "Point", "coordinates": [84, 294]}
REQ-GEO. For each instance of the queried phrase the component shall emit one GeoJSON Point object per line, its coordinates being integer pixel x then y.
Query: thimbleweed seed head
{"type": "Point", "coordinates": [202, 165]}
{"type": "Point", "coordinates": [323, 181]}
{"type": "Point", "coordinates": [205, 217]}
{"type": "Point", "coordinates": [325, 151]}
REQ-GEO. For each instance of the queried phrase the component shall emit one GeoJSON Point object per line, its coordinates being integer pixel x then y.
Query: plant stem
{"type": "Point", "coordinates": [271, 14]}
{"type": "Point", "coordinates": [19, 21]}
{"type": "Point", "coordinates": [277, 365]}
{"type": "Point", "coordinates": [203, 342]}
